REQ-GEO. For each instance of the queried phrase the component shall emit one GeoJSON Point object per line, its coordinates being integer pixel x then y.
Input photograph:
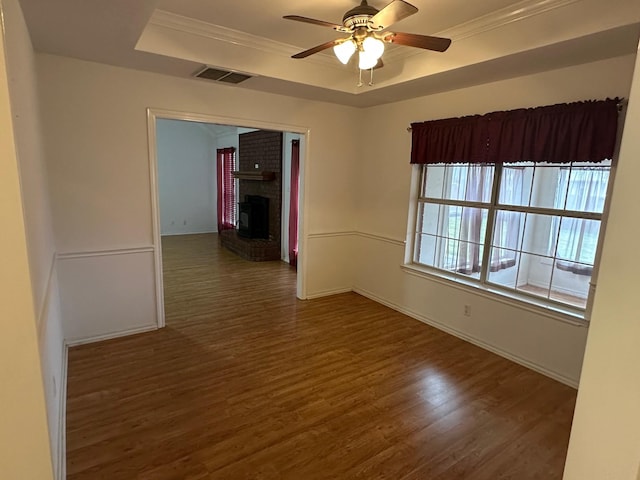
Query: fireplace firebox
{"type": "Point", "coordinates": [253, 218]}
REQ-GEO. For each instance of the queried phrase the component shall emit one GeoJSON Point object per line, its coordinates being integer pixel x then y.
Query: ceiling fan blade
{"type": "Point", "coordinates": [315, 49]}
{"type": "Point", "coordinates": [437, 44]}
{"type": "Point", "coordinates": [312, 21]}
{"type": "Point", "coordinates": [392, 13]}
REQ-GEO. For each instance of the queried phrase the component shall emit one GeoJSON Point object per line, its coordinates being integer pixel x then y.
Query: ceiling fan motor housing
{"type": "Point", "coordinates": [359, 16]}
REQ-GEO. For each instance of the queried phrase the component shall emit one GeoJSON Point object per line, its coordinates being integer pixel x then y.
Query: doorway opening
{"type": "Point", "coordinates": [204, 171]}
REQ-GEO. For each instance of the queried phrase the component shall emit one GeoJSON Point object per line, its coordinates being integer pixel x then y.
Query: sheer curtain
{"type": "Point", "coordinates": [225, 165]}
{"type": "Point", "coordinates": [462, 229]}
{"type": "Point", "coordinates": [578, 238]}
{"type": "Point", "coordinates": [506, 234]}
{"type": "Point", "coordinates": [479, 179]}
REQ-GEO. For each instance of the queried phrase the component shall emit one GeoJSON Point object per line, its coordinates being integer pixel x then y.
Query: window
{"type": "Point", "coordinates": [227, 196]}
{"type": "Point", "coordinates": [527, 228]}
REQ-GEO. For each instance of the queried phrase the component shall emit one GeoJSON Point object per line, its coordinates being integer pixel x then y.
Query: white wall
{"type": "Point", "coordinates": [538, 340]}
{"type": "Point", "coordinates": [37, 217]}
{"type": "Point", "coordinates": [231, 139]}
{"type": "Point", "coordinates": [186, 177]}
{"type": "Point", "coordinates": [94, 119]}
{"type": "Point", "coordinates": [605, 438]}
{"type": "Point", "coordinates": [24, 440]}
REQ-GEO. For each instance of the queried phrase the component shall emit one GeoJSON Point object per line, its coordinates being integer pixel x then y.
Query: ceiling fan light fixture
{"type": "Point", "coordinates": [373, 47]}
{"type": "Point", "coordinates": [372, 50]}
{"type": "Point", "coordinates": [366, 61]}
{"type": "Point", "coordinates": [345, 50]}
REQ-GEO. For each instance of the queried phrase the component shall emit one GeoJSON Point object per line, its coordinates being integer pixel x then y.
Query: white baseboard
{"type": "Point", "coordinates": [327, 293]}
{"type": "Point", "coordinates": [108, 336]}
{"type": "Point", "coordinates": [480, 343]}
{"type": "Point", "coordinates": [61, 471]}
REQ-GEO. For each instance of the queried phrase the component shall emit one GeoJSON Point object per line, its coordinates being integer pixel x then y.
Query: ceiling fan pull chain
{"type": "Point", "coordinates": [371, 78]}
{"type": "Point", "coordinates": [359, 78]}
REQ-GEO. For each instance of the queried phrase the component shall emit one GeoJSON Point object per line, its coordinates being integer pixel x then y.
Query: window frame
{"type": "Point", "coordinates": [555, 309]}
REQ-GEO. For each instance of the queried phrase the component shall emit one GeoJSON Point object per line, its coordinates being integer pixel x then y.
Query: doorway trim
{"type": "Point", "coordinates": [153, 114]}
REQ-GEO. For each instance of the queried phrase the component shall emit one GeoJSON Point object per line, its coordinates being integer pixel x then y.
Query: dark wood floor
{"type": "Point", "coordinates": [246, 382]}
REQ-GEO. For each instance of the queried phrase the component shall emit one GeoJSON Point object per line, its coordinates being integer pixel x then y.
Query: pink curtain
{"type": "Point", "coordinates": [293, 208]}
{"type": "Point", "coordinates": [574, 132]}
{"type": "Point", "coordinates": [225, 165]}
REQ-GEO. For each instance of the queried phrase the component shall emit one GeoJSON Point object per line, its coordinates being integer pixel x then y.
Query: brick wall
{"type": "Point", "coordinates": [265, 149]}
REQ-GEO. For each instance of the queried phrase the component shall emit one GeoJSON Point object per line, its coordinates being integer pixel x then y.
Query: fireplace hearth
{"type": "Point", "coordinates": [253, 249]}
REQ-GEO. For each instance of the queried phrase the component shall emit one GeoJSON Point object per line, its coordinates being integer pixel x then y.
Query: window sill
{"type": "Point", "coordinates": [555, 312]}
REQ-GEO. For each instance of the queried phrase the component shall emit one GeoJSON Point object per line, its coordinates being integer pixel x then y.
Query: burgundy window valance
{"type": "Point", "coordinates": [571, 132]}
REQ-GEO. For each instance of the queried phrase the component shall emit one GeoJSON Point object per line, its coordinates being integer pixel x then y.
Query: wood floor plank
{"type": "Point", "coordinates": [247, 382]}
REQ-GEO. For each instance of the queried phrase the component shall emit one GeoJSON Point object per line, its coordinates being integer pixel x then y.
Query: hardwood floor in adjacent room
{"type": "Point", "coordinates": [247, 382]}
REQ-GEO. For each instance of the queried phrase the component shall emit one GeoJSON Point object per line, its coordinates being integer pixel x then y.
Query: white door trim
{"type": "Point", "coordinates": [155, 113]}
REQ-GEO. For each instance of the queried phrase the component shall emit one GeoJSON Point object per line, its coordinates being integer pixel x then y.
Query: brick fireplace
{"type": "Point", "coordinates": [262, 149]}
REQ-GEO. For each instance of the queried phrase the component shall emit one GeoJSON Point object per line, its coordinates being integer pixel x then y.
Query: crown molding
{"type": "Point", "coordinates": [504, 16]}
{"type": "Point", "coordinates": [491, 21]}
{"type": "Point", "coordinates": [164, 19]}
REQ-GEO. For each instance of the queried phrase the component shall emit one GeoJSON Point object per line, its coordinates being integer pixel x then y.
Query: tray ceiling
{"type": "Point", "coordinates": [492, 39]}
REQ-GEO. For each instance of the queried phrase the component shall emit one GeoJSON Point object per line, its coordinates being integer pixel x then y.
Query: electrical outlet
{"type": "Point", "coordinates": [467, 310]}
{"type": "Point", "coordinates": [256, 166]}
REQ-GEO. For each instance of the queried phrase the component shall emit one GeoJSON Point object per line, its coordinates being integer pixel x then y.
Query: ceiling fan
{"type": "Point", "coordinates": [365, 25]}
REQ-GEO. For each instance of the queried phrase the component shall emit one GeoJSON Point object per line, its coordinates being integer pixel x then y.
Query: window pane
{"type": "Point", "coordinates": [578, 240]}
{"type": "Point", "coordinates": [515, 184]}
{"type": "Point", "coordinates": [433, 181]}
{"type": "Point", "coordinates": [540, 234]}
{"type": "Point", "coordinates": [473, 224]}
{"type": "Point", "coordinates": [469, 225]}
{"type": "Point", "coordinates": [458, 182]}
{"type": "Point", "coordinates": [425, 249]}
{"type": "Point", "coordinates": [587, 188]}
{"type": "Point", "coordinates": [428, 218]}
{"type": "Point", "coordinates": [503, 268]}
{"type": "Point", "coordinates": [446, 253]}
{"type": "Point", "coordinates": [454, 241]}
{"type": "Point", "coordinates": [451, 218]}
{"type": "Point", "coordinates": [469, 260]}
{"type": "Point", "coordinates": [435, 219]}
{"type": "Point", "coordinates": [534, 275]}
{"type": "Point", "coordinates": [436, 251]}
{"type": "Point", "coordinates": [479, 183]}
{"type": "Point", "coordinates": [507, 232]}
{"type": "Point", "coordinates": [547, 189]}
{"type": "Point", "coordinates": [455, 182]}
{"type": "Point", "coordinates": [571, 283]}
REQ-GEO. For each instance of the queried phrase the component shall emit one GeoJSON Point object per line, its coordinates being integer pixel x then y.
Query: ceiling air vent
{"type": "Point", "coordinates": [225, 76]}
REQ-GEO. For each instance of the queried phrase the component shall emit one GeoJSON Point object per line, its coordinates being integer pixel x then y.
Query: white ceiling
{"type": "Point", "coordinates": [492, 39]}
